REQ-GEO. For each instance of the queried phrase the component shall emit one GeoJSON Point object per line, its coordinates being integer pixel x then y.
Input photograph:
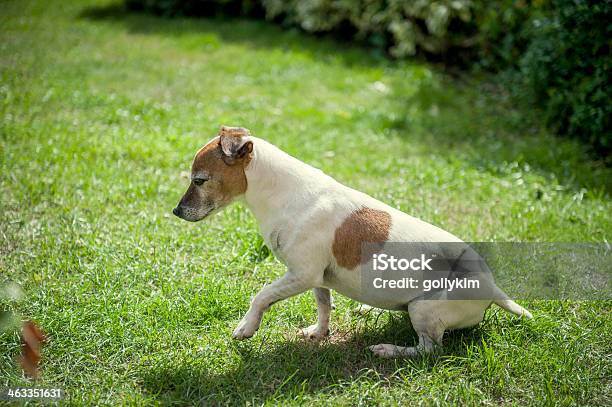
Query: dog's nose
{"type": "Point", "coordinates": [177, 211]}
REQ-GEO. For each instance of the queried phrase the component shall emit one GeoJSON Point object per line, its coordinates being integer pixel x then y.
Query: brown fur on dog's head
{"type": "Point", "coordinates": [217, 174]}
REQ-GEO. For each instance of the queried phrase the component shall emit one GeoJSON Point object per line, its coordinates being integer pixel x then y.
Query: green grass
{"type": "Point", "coordinates": [102, 111]}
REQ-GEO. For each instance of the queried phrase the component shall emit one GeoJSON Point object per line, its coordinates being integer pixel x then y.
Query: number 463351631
{"type": "Point", "coordinates": [25, 393]}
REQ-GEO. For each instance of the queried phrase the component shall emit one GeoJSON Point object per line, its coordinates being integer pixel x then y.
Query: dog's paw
{"type": "Point", "coordinates": [244, 330]}
{"type": "Point", "coordinates": [386, 350]}
{"type": "Point", "coordinates": [313, 333]}
{"type": "Point", "coordinates": [383, 350]}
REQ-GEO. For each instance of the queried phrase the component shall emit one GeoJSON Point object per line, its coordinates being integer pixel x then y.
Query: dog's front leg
{"type": "Point", "coordinates": [285, 287]}
{"type": "Point", "coordinates": [324, 307]}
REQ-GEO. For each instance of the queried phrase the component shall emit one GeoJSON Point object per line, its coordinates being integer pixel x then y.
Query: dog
{"type": "Point", "coordinates": [316, 227]}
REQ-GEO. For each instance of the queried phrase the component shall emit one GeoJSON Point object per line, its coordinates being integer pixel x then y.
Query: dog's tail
{"type": "Point", "coordinates": [506, 303]}
{"type": "Point", "coordinates": [514, 308]}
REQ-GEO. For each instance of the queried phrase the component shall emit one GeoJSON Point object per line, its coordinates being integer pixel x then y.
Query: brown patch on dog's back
{"type": "Point", "coordinates": [365, 225]}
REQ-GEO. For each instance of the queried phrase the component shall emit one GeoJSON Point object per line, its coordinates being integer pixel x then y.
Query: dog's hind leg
{"type": "Point", "coordinates": [429, 330]}
{"type": "Point", "coordinates": [324, 306]}
{"type": "Point", "coordinates": [430, 318]}
{"type": "Point", "coordinates": [387, 350]}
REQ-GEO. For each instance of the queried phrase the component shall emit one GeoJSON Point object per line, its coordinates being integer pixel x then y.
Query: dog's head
{"type": "Point", "coordinates": [217, 174]}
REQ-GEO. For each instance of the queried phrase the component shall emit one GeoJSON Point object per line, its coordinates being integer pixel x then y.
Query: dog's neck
{"type": "Point", "coordinates": [276, 181]}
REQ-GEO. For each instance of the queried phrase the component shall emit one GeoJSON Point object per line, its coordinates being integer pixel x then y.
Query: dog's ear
{"type": "Point", "coordinates": [235, 143]}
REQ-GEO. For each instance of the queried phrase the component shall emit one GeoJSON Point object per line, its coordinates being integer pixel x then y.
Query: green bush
{"type": "Point", "coordinates": [559, 49]}
{"type": "Point", "coordinates": [501, 27]}
{"type": "Point", "coordinates": [566, 67]}
{"type": "Point", "coordinates": [401, 27]}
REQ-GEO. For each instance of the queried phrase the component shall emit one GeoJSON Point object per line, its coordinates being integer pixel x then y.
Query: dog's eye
{"type": "Point", "coordinates": [199, 181]}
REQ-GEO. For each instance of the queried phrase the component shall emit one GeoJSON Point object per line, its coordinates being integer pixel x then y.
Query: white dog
{"type": "Point", "coordinates": [316, 227]}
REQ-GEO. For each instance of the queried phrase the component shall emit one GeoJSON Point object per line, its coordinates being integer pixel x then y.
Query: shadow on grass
{"type": "Point", "coordinates": [478, 123]}
{"type": "Point", "coordinates": [472, 121]}
{"type": "Point", "coordinates": [299, 368]}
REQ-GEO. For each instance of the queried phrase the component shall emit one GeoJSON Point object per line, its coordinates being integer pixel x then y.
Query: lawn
{"type": "Point", "coordinates": [102, 112]}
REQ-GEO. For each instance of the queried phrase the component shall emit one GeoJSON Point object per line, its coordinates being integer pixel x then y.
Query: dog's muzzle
{"type": "Point", "coordinates": [190, 214]}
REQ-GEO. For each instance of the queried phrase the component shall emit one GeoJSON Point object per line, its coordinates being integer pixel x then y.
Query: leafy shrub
{"type": "Point", "coordinates": [567, 68]}
{"type": "Point", "coordinates": [402, 27]}
{"type": "Point", "coordinates": [501, 25]}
